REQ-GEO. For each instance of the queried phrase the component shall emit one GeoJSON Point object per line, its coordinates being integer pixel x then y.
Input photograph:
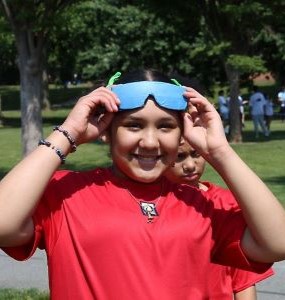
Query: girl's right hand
{"type": "Point", "coordinates": [91, 115]}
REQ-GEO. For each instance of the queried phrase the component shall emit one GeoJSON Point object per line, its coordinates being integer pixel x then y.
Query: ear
{"type": "Point", "coordinates": [182, 141]}
{"type": "Point", "coordinates": [105, 137]}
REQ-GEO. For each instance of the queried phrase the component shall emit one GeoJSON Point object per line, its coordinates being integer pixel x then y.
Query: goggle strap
{"type": "Point", "coordinates": [114, 78]}
{"type": "Point", "coordinates": [175, 81]}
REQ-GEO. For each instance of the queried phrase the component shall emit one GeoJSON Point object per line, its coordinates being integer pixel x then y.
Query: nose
{"type": "Point", "coordinates": [149, 139]}
{"type": "Point", "coordinates": [188, 165]}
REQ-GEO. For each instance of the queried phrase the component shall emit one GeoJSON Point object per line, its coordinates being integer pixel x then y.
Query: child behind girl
{"type": "Point", "coordinates": [188, 169]}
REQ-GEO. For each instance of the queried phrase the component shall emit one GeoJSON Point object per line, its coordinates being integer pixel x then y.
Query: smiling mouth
{"type": "Point", "coordinates": [147, 162]}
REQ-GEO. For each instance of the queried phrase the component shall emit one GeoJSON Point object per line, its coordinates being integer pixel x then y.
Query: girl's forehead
{"type": "Point", "coordinates": [151, 111]}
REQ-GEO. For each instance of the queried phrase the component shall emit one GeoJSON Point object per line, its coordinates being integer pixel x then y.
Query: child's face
{"type": "Point", "coordinates": [144, 141]}
{"type": "Point", "coordinates": [188, 168]}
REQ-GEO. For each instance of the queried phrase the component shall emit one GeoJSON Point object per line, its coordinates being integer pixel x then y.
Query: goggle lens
{"type": "Point", "coordinates": [134, 95]}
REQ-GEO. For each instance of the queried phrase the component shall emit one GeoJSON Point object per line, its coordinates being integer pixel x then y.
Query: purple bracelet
{"type": "Point", "coordinates": [57, 150]}
{"type": "Point", "coordinates": [68, 136]}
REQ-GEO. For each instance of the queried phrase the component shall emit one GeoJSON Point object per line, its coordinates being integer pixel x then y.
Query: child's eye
{"type": "Point", "coordinates": [181, 156]}
{"type": "Point", "coordinates": [195, 154]}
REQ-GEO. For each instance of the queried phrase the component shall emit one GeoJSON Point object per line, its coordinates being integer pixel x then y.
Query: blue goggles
{"type": "Point", "coordinates": [134, 95]}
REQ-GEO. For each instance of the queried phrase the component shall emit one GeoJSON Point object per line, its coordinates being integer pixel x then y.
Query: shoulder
{"type": "Point", "coordinates": [186, 193]}
{"type": "Point", "coordinates": [220, 196]}
{"type": "Point", "coordinates": [98, 172]}
{"type": "Point", "coordinates": [67, 179]}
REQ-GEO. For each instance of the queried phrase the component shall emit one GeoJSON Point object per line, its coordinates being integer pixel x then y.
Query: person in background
{"type": "Point", "coordinates": [223, 107]}
{"type": "Point", "coordinates": [268, 111]}
{"type": "Point", "coordinates": [256, 105]}
{"type": "Point", "coordinates": [188, 169]}
{"type": "Point", "coordinates": [281, 100]}
{"type": "Point", "coordinates": [242, 102]}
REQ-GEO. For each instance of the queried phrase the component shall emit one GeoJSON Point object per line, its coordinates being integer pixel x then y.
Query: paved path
{"type": "Point", "coordinates": [27, 274]}
{"type": "Point", "coordinates": [33, 273]}
{"type": "Point", "coordinates": [273, 288]}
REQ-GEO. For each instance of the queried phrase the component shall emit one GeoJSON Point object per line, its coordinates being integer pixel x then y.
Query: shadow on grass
{"type": "Point", "coordinates": [249, 136]}
{"type": "Point", "coordinates": [279, 180]}
{"type": "Point", "coordinates": [57, 95]}
{"type": "Point", "coordinates": [3, 172]}
{"type": "Point", "coordinates": [16, 121]}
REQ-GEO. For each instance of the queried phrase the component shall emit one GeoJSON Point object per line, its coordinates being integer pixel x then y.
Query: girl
{"type": "Point", "coordinates": [124, 232]}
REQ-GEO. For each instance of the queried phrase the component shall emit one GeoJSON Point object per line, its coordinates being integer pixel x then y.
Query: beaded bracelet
{"type": "Point", "coordinates": [68, 136]}
{"type": "Point", "coordinates": [57, 151]}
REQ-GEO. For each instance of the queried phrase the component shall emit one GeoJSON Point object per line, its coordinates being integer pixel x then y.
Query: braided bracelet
{"type": "Point", "coordinates": [68, 136]}
{"type": "Point", "coordinates": [57, 150]}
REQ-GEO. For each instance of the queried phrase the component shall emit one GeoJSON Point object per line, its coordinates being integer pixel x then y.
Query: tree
{"type": "Point", "coordinates": [117, 35]}
{"type": "Point", "coordinates": [8, 70]}
{"type": "Point", "coordinates": [271, 39]}
{"type": "Point", "coordinates": [231, 27]}
{"type": "Point", "coordinates": [30, 22]}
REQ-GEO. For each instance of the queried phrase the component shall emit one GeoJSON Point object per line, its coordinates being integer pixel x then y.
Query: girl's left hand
{"type": "Point", "coordinates": [203, 128]}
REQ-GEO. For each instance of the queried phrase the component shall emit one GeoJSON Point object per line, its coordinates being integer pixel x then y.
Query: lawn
{"type": "Point", "coordinates": [265, 156]}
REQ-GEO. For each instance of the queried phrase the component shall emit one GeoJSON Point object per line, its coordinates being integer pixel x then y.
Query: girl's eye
{"type": "Point", "coordinates": [166, 126]}
{"type": "Point", "coordinates": [133, 126]}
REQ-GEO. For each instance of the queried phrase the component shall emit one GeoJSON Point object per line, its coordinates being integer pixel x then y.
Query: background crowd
{"type": "Point", "coordinates": [259, 107]}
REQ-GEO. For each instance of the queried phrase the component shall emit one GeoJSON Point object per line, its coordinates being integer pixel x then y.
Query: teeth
{"type": "Point", "coordinates": [147, 158]}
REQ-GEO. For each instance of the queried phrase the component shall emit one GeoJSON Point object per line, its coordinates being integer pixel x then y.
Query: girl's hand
{"type": "Point", "coordinates": [203, 128]}
{"type": "Point", "coordinates": [91, 115]}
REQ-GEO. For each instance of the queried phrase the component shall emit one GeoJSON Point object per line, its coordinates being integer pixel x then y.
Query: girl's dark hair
{"type": "Point", "coordinates": [143, 75]}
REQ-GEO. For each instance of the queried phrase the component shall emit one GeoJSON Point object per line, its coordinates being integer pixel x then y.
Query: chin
{"type": "Point", "coordinates": [146, 176]}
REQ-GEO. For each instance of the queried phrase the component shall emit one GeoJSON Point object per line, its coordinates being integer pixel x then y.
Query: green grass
{"type": "Point", "coordinates": [29, 294]}
{"type": "Point", "coordinates": [265, 156]}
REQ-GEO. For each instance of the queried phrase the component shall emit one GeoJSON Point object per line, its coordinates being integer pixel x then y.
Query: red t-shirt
{"type": "Point", "coordinates": [227, 280]}
{"type": "Point", "coordinates": [100, 246]}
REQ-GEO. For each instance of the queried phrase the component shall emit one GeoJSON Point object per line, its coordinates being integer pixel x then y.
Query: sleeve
{"type": "Point", "coordinates": [228, 227]}
{"type": "Point", "coordinates": [24, 252]}
{"type": "Point", "coordinates": [47, 220]}
{"type": "Point", "coordinates": [242, 280]}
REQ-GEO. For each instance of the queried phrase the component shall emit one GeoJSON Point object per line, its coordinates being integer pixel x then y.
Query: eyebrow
{"type": "Point", "coordinates": [134, 118]}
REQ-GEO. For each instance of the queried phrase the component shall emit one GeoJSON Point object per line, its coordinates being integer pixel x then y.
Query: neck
{"type": "Point", "coordinates": [202, 186]}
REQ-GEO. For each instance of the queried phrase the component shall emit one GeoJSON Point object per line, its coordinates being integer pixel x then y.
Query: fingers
{"type": "Point", "coordinates": [87, 116]}
{"type": "Point", "coordinates": [102, 97]}
{"type": "Point", "coordinates": [195, 99]}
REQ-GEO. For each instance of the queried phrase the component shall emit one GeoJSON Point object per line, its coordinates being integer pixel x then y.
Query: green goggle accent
{"type": "Point", "coordinates": [114, 78]}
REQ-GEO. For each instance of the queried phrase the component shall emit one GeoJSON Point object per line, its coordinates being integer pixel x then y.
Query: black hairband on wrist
{"type": "Point", "coordinates": [57, 150]}
{"type": "Point", "coordinates": [68, 136]}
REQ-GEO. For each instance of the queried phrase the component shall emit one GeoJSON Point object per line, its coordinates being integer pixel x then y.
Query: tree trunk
{"type": "Point", "coordinates": [30, 67]}
{"type": "Point", "coordinates": [235, 135]}
{"type": "Point", "coordinates": [1, 115]}
{"type": "Point", "coordinates": [45, 90]}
